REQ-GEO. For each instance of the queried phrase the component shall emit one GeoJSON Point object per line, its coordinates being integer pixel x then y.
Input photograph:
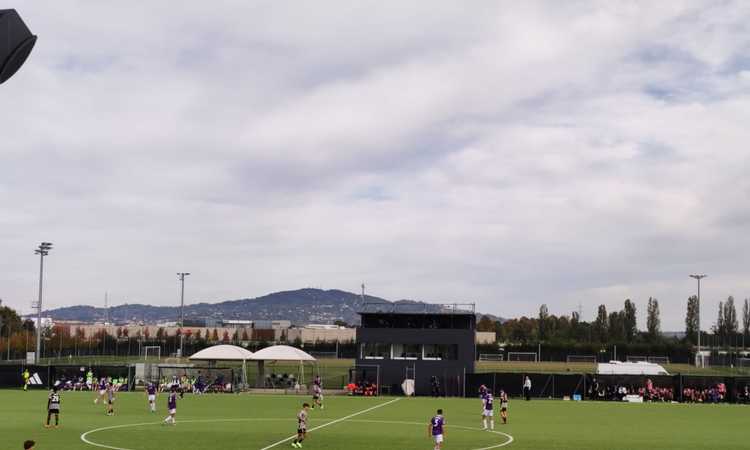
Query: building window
{"type": "Point", "coordinates": [406, 351]}
{"type": "Point", "coordinates": [374, 350]}
{"type": "Point", "coordinates": [440, 352]}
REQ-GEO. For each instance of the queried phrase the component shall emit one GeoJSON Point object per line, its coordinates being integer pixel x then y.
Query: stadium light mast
{"type": "Point", "coordinates": [182, 276]}
{"type": "Point", "coordinates": [699, 278]}
{"type": "Point", "coordinates": [42, 251]}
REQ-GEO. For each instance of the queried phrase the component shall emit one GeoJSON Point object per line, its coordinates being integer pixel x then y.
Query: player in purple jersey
{"type": "Point", "coordinates": [53, 407]}
{"type": "Point", "coordinates": [102, 386]}
{"type": "Point", "coordinates": [436, 429]}
{"type": "Point", "coordinates": [151, 395]}
{"type": "Point", "coordinates": [487, 411]}
{"type": "Point", "coordinates": [482, 391]}
{"type": "Point", "coordinates": [301, 426]}
{"type": "Point", "coordinates": [172, 406]}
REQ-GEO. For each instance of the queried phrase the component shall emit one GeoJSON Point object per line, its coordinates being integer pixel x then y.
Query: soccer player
{"type": "Point", "coordinates": [436, 429]}
{"type": "Point", "coordinates": [317, 393]}
{"type": "Point", "coordinates": [53, 407]}
{"type": "Point", "coordinates": [301, 426]}
{"type": "Point", "coordinates": [487, 411]}
{"type": "Point", "coordinates": [102, 390]}
{"type": "Point", "coordinates": [504, 406]}
{"type": "Point", "coordinates": [172, 406]}
{"type": "Point", "coordinates": [26, 377]}
{"type": "Point", "coordinates": [482, 391]}
{"type": "Point", "coordinates": [151, 394]}
{"type": "Point", "coordinates": [110, 390]}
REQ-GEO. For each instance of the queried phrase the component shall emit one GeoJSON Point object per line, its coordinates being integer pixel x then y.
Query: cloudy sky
{"type": "Point", "coordinates": [507, 153]}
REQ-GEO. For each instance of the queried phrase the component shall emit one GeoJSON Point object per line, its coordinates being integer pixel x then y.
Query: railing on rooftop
{"type": "Point", "coordinates": [417, 308]}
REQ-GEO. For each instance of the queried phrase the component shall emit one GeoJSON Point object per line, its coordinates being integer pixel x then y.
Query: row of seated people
{"type": "Point", "coordinates": [713, 394]}
{"type": "Point", "coordinates": [364, 388]}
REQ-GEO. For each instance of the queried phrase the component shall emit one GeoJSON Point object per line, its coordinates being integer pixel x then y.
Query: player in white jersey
{"type": "Point", "coordinates": [317, 396]}
{"type": "Point", "coordinates": [53, 407]}
{"type": "Point", "coordinates": [301, 426]}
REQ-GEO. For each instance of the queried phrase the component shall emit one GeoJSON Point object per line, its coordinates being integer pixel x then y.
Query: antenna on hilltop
{"type": "Point", "coordinates": [363, 292]}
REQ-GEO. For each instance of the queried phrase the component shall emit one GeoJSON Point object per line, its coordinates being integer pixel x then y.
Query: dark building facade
{"type": "Point", "coordinates": [435, 346]}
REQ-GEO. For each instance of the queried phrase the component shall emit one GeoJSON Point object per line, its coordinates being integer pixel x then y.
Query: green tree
{"type": "Point", "coordinates": [719, 328]}
{"type": "Point", "coordinates": [745, 320]}
{"type": "Point", "coordinates": [543, 322]}
{"type": "Point", "coordinates": [9, 320]}
{"type": "Point", "coordinates": [630, 321]}
{"type": "Point", "coordinates": [653, 320]}
{"type": "Point", "coordinates": [691, 320]}
{"type": "Point", "coordinates": [600, 324]}
{"type": "Point", "coordinates": [730, 318]}
{"type": "Point", "coordinates": [485, 324]}
{"type": "Point", "coordinates": [616, 326]}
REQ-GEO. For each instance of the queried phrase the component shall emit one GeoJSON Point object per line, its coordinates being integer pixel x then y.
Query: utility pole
{"type": "Point", "coordinates": [106, 323]}
{"type": "Point", "coordinates": [182, 276]}
{"type": "Point", "coordinates": [42, 251]}
{"type": "Point", "coordinates": [699, 278]}
{"type": "Point", "coordinates": [363, 293]}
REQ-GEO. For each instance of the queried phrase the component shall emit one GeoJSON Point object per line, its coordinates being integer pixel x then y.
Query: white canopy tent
{"type": "Point", "coordinates": [630, 368]}
{"type": "Point", "coordinates": [224, 353]}
{"type": "Point", "coordinates": [280, 353]}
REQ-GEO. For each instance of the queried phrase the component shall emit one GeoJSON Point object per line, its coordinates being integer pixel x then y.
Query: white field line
{"type": "Point", "coordinates": [395, 422]}
{"type": "Point", "coordinates": [84, 436]}
{"type": "Point", "coordinates": [333, 422]}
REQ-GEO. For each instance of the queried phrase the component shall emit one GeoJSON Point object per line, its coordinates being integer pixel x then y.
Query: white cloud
{"type": "Point", "coordinates": [546, 153]}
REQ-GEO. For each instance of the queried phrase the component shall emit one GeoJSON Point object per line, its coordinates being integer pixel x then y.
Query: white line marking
{"type": "Point", "coordinates": [394, 422]}
{"type": "Point", "coordinates": [333, 422]}
{"type": "Point", "coordinates": [84, 436]}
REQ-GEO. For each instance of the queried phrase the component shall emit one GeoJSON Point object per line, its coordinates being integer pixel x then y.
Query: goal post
{"type": "Point", "coordinates": [523, 356]}
{"type": "Point", "coordinates": [151, 351]}
{"type": "Point", "coordinates": [491, 357]}
{"type": "Point", "coordinates": [658, 359]}
{"type": "Point", "coordinates": [581, 359]}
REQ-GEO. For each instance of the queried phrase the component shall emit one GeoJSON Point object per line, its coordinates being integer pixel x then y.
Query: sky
{"type": "Point", "coordinates": [504, 153]}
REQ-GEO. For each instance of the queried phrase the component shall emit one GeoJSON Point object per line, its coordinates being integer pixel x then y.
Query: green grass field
{"type": "Point", "coordinates": [227, 421]}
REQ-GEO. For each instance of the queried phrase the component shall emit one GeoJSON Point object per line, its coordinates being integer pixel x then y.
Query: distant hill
{"type": "Point", "coordinates": [301, 306]}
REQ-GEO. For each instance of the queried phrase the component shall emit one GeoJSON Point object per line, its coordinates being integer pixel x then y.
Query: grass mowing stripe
{"type": "Point", "coordinates": [333, 422]}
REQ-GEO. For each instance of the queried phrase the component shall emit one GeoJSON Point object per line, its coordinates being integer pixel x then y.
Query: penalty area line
{"type": "Point", "coordinates": [333, 422]}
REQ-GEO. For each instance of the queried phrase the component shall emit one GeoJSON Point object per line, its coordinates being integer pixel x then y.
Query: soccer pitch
{"type": "Point", "coordinates": [229, 421]}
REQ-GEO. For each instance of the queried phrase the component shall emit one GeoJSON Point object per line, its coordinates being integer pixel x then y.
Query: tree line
{"type": "Point", "coordinates": [619, 326]}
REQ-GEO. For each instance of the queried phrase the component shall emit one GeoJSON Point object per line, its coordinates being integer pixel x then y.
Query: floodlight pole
{"type": "Point", "coordinates": [182, 276]}
{"type": "Point", "coordinates": [699, 278]}
{"type": "Point", "coordinates": [42, 251]}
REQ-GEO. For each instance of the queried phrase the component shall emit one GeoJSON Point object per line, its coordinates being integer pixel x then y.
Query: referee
{"type": "Point", "coordinates": [527, 388]}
